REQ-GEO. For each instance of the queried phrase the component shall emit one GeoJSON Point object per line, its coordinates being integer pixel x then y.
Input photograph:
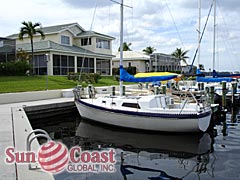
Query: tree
{"type": "Point", "coordinates": [149, 50]}
{"type": "Point", "coordinates": [180, 54]}
{"type": "Point", "coordinates": [30, 30]}
{"type": "Point", "coordinates": [22, 55]}
{"type": "Point", "coordinates": [126, 46]}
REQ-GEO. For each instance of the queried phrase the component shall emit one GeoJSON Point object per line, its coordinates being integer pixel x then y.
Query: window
{"type": "Point", "coordinates": [85, 64]}
{"type": "Point", "coordinates": [40, 64]}
{"type": "Point", "coordinates": [65, 40]}
{"type": "Point", "coordinates": [70, 61]}
{"type": "Point", "coordinates": [102, 44]}
{"type": "Point", "coordinates": [62, 64]}
{"type": "Point", "coordinates": [64, 60]}
{"type": "Point", "coordinates": [86, 41]}
{"type": "Point", "coordinates": [103, 66]}
{"type": "Point", "coordinates": [131, 105]}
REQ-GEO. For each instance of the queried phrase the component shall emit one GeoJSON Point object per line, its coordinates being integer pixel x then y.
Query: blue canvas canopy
{"type": "Point", "coordinates": [215, 74]}
{"type": "Point", "coordinates": [125, 76]}
{"type": "Point", "coordinates": [211, 79]}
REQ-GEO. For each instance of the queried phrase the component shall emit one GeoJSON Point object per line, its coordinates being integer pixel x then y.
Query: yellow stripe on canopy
{"type": "Point", "coordinates": [149, 74]}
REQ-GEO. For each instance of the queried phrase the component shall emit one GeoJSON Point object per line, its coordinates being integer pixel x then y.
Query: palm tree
{"type": "Point", "coordinates": [180, 54]}
{"type": "Point", "coordinates": [149, 50]}
{"type": "Point", "coordinates": [30, 30]}
{"type": "Point", "coordinates": [126, 46]}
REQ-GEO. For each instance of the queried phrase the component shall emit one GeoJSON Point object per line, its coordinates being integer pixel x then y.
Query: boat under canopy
{"type": "Point", "coordinates": [211, 79]}
{"type": "Point", "coordinates": [215, 74]}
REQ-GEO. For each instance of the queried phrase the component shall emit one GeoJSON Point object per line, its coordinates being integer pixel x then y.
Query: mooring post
{"type": "Point", "coordinates": [202, 86]}
{"type": "Point", "coordinates": [164, 89]}
{"type": "Point", "coordinates": [113, 90]}
{"type": "Point", "coordinates": [124, 91]}
{"type": "Point", "coordinates": [224, 104]}
{"type": "Point", "coordinates": [212, 94]}
{"type": "Point", "coordinates": [208, 94]}
{"type": "Point", "coordinates": [234, 87]}
{"type": "Point", "coordinates": [234, 90]}
{"type": "Point", "coordinates": [156, 90]}
{"type": "Point", "coordinates": [224, 93]}
{"type": "Point", "coordinates": [146, 85]}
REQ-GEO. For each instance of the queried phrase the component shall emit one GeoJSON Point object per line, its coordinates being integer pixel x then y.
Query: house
{"type": "Point", "coordinates": [185, 67]}
{"type": "Point", "coordinates": [68, 48]}
{"type": "Point", "coordinates": [164, 62]}
{"type": "Point", "coordinates": [132, 58]}
{"type": "Point", "coordinates": [7, 49]}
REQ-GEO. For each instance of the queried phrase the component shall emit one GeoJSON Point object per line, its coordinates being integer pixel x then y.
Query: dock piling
{"type": "Point", "coordinates": [224, 92]}
{"type": "Point", "coordinates": [156, 90]}
{"type": "Point", "coordinates": [224, 110]}
{"type": "Point", "coordinates": [211, 92]}
{"type": "Point", "coordinates": [113, 90]}
{"type": "Point", "coordinates": [164, 89]}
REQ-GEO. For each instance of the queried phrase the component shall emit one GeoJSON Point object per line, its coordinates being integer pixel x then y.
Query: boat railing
{"type": "Point", "coordinates": [78, 92]}
{"type": "Point", "coordinates": [193, 97]}
{"type": "Point", "coordinates": [184, 104]}
{"type": "Point", "coordinates": [202, 102]}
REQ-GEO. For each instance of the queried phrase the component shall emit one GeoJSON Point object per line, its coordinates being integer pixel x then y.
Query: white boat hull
{"type": "Point", "coordinates": [133, 120]}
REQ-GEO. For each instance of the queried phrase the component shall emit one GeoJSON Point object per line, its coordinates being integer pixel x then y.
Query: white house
{"type": "Point", "coordinates": [69, 48]}
{"type": "Point", "coordinates": [132, 58]}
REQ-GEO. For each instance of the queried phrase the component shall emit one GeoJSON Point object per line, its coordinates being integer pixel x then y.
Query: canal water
{"type": "Point", "coordinates": [151, 155]}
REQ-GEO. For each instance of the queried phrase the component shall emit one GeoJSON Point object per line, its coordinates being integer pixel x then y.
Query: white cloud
{"type": "Point", "coordinates": [164, 24]}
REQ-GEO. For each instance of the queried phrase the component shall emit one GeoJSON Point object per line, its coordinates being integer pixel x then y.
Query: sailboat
{"type": "Point", "coordinates": [200, 77]}
{"type": "Point", "coordinates": [153, 112]}
{"type": "Point", "coordinates": [230, 79]}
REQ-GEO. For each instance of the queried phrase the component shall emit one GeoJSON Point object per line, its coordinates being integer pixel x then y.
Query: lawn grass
{"type": "Point", "coordinates": [38, 83]}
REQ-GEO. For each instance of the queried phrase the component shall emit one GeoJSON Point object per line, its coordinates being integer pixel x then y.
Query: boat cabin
{"type": "Point", "coordinates": [138, 102]}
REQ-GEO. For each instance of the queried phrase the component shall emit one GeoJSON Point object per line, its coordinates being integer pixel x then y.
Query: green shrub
{"type": "Point", "coordinates": [115, 71]}
{"type": "Point", "coordinates": [14, 68]}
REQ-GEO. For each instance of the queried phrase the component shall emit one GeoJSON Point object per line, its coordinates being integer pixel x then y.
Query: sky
{"type": "Point", "coordinates": [162, 24]}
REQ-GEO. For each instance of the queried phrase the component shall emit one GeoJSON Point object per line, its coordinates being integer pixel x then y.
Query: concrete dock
{"type": "Point", "coordinates": [15, 125]}
{"type": "Point", "coordinates": [14, 130]}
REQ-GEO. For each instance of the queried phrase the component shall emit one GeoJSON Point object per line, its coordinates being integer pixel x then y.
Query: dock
{"type": "Point", "coordinates": [14, 130]}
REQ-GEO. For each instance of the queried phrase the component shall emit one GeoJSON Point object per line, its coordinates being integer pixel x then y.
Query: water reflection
{"type": "Point", "coordinates": [152, 147]}
{"type": "Point", "coordinates": [176, 145]}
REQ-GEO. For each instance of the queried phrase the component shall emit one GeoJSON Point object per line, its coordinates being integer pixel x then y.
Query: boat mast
{"type": "Point", "coordinates": [199, 31]}
{"type": "Point", "coordinates": [121, 48]}
{"type": "Point", "coordinates": [214, 33]}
